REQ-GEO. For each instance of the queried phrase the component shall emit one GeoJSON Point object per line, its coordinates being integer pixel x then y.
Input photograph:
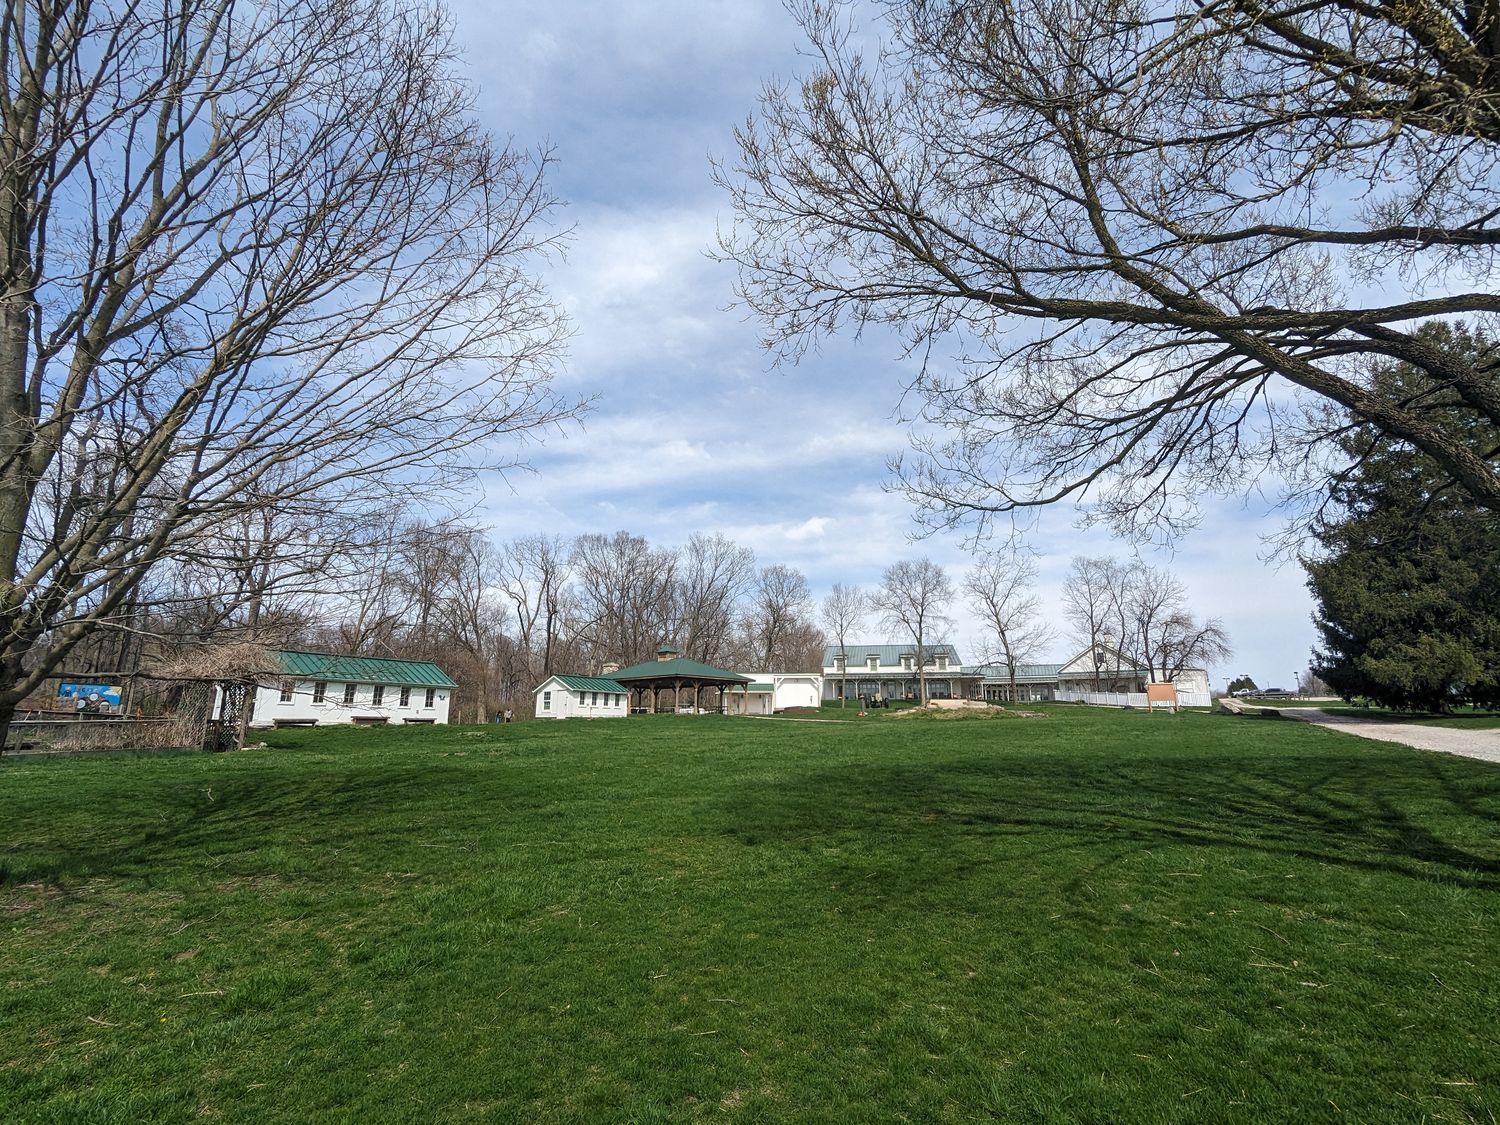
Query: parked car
{"type": "Point", "coordinates": [1243, 692]}
{"type": "Point", "coordinates": [1272, 692]}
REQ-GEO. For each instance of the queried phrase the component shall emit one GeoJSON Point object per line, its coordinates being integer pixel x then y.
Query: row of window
{"type": "Point", "coordinates": [611, 699]}
{"type": "Point", "coordinates": [377, 694]}
{"type": "Point", "coordinates": [872, 663]}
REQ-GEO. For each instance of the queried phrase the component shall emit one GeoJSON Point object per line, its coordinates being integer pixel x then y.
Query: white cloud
{"type": "Point", "coordinates": [692, 432]}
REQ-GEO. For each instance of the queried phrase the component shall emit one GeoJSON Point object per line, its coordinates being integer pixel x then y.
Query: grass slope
{"type": "Point", "coordinates": [1094, 916]}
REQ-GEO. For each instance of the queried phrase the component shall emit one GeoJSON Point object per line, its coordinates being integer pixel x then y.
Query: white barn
{"type": "Point", "coordinates": [581, 697]}
{"type": "Point", "coordinates": [324, 689]}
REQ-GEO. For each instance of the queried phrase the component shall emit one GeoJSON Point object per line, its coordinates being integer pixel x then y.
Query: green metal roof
{"type": "Point", "coordinates": [591, 683]}
{"type": "Point", "coordinates": [1031, 673]}
{"type": "Point", "coordinates": [889, 655]}
{"type": "Point", "coordinates": [680, 669]}
{"type": "Point", "coordinates": [361, 669]}
{"type": "Point", "coordinates": [756, 689]}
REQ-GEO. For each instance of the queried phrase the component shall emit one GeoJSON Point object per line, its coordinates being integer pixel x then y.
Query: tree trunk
{"type": "Point", "coordinates": [7, 713]}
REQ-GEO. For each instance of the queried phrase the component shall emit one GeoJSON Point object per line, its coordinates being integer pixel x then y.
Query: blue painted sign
{"type": "Point", "coordinates": [91, 697]}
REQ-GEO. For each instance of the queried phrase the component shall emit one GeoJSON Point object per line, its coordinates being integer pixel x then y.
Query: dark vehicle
{"type": "Point", "coordinates": [871, 701]}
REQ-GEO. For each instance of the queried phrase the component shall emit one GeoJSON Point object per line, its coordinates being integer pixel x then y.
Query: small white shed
{"type": "Point", "coordinates": [581, 697]}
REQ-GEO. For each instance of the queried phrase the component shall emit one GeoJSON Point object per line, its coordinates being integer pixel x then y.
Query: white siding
{"type": "Point", "coordinates": [788, 689]}
{"type": "Point", "coordinates": [270, 709]}
{"type": "Point", "coordinates": [570, 703]}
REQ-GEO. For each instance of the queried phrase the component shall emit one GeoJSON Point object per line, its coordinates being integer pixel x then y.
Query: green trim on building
{"type": "Point", "coordinates": [327, 666]}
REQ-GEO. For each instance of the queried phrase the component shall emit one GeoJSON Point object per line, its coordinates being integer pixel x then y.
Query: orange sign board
{"type": "Point", "coordinates": [1161, 693]}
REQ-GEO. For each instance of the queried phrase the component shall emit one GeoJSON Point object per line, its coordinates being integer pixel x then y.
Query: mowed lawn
{"type": "Point", "coordinates": [1092, 916]}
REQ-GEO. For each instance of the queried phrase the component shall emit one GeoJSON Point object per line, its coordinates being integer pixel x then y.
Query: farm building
{"type": "Point", "coordinates": [768, 692]}
{"type": "Point", "coordinates": [325, 689]}
{"type": "Point", "coordinates": [674, 683]}
{"type": "Point", "coordinates": [890, 671]}
{"type": "Point", "coordinates": [581, 697]}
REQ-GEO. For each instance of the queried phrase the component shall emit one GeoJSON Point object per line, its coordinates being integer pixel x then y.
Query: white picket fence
{"type": "Point", "coordinates": [1132, 698]}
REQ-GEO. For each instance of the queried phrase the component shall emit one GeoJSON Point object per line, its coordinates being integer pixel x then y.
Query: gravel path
{"type": "Point", "coordinates": [1482, 744]}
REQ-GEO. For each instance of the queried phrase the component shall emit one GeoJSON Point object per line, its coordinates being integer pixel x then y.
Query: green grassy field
{"type": "Point", "coordinates": [1093, 916]}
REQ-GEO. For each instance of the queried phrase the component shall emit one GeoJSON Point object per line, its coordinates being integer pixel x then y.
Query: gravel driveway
{"type": "Point", "coordinates": [1482, 744]}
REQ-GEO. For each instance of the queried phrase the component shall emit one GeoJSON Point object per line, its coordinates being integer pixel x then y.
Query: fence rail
{"type": "Point", "coordinates": [1132, 698]}
{"type": "Point", "coordinates": [55, 736]}
{"type": "Point", "coordinates": [133, 712]}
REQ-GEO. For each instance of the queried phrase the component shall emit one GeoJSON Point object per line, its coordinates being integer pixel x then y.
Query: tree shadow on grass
{"type": "Point", "coordinates": [138, 832]}
{"type": "Point", "coordinates": [1376, 813]}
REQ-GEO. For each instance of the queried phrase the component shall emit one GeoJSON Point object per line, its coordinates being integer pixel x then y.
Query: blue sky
{"type": "Point", "coordinates": [693, 431]}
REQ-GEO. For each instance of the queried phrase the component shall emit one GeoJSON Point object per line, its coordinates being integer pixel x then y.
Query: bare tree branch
{"type": "Point", "coordinates": [1140, 250]}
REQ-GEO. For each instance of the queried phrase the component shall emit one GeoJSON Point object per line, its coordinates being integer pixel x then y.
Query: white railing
{"type": "Point", "coordinates": [1132, 698]}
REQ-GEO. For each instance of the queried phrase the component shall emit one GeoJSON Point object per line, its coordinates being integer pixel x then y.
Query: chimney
{"type": "Point", "coordinates": [609, 669]}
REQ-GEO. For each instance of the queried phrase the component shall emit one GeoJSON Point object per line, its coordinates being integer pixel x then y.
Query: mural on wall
{"type": "Point", "coordinates": [101, 698]}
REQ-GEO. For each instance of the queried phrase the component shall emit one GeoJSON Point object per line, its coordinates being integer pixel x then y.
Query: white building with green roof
{"type": "Point", "coordinates": [581, 697]}
{"type": "Point", "coordinates": [328, 689]}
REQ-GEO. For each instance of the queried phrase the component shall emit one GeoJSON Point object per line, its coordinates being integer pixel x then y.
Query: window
{"type": "Point", "coordinates": [546, 701]}
{"type": "Point", "coordinates": [840, 662]}
{"type": "Point", "coordinates": [348, 695]}
{"type": "Point", "coordinates": [942, 663]}
{"type": "Point", "coordinates": [406, 697]}
{"type": "Point", "coordinates": [906, 664]}
{"type": "Point", "coordinates": [320, 692]}
{"type": "Point", "coordinates": [286, 691]}
{"type": "Point", "coordinates": [873, 662]}
{"type": "Point", "coordinates": [377, 695]}
{"type": "Point", "coordinates": [594, 702]}
{"type": "Point", "coordinates": [431, 692]}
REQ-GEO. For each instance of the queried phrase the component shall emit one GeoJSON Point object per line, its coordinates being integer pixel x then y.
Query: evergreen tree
{"type": "Point", "coordinates": [1408, 582]}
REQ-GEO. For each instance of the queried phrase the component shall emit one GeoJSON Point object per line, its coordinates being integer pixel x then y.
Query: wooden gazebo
{"type": "Point", "coordinates": [670, 670]}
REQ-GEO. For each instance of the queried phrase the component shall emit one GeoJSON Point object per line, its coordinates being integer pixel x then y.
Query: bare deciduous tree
{"type": "Point", "coordinates": [1166, 246]}
{"type": "Point", "coordinates": [1135, 616]}
{"type": "Point", "coordinates": [1148, 599]}
{"type": "Point", "coordinates": [1182, 642]}
{"type": "Point", "coordinates": [1091, 604]}
{"type": "Point", "coordinates": [714, 574]}
{"type": "Point", "coordinates": [533, 574]}
{"type": "Point", "coordinates": [777, 614]}
{"type": "Point", "coordinates": [844, 612]}
{"type": "Point", "coordinates": [624, 593]}
{"type": "Point", "coordinates": [913, 598]}
{"type": "Point", "coordinates": [999, 589]}
{"type": "Point", "coordinates": [250, 254]}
